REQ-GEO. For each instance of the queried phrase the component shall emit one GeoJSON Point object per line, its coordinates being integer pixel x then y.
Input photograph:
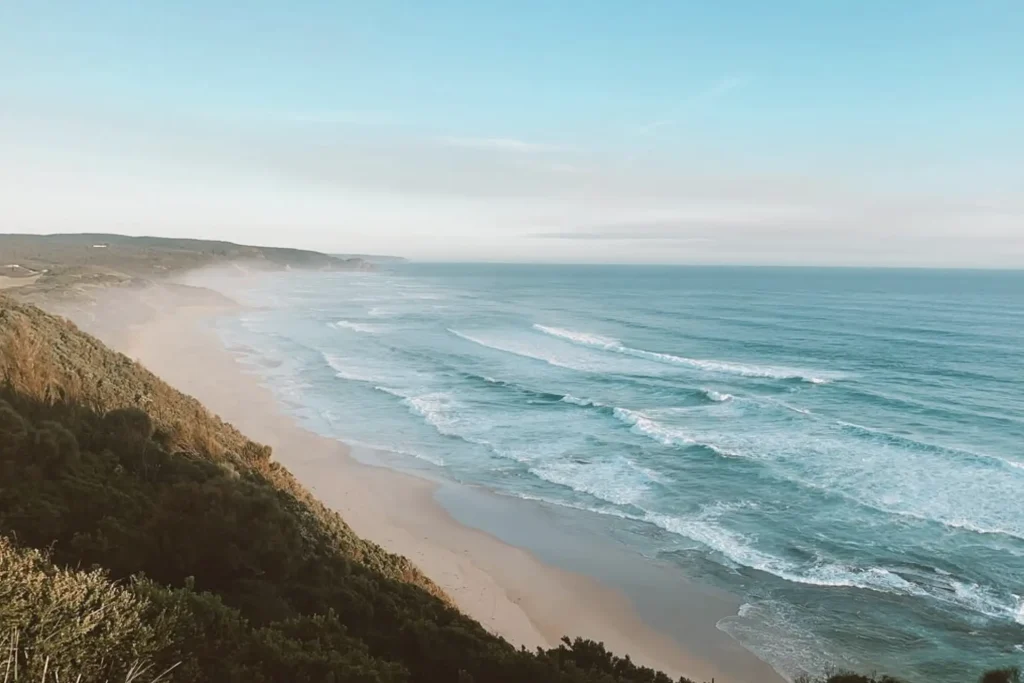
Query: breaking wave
{"type": "Point", "coordinates": [644, 425]}
{"type": "Point", "coordinates": [364, 328]}
{"type": "Point", "coordinates": [615, 346]}
{"type": "Point", "coordinates": [584, 402]}
{"type": "Point", "coordinates": [716, 396]}
{"type": "Point", "coordinates": [513, 350]}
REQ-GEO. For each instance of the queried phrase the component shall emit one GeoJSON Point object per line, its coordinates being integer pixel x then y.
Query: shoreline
{"type": "Point", "coordinates": [495, 578]}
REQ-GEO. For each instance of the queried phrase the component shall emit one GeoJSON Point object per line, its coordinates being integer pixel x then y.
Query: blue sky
{"type": "Point", "coordinates": [820, 132]}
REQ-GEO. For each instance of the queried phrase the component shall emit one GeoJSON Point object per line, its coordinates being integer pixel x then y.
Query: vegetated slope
{"type": "Point", "coordinates": [234, 569]}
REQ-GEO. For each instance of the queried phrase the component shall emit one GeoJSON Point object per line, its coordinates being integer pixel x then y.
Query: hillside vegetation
{"type": "Point", "coordinates": [144, 539]}
{"type": "Point", "coordinates": [66, 265]}
{"type": "Point", "coordinates": [192, 545]}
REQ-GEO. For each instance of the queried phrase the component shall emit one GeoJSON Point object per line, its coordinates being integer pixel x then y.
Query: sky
{"type": "Point", "coordinates": [793, 132]}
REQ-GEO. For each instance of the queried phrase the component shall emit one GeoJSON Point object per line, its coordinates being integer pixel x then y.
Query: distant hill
{"type": "Point", "coordinates": [374, 258]}
{"type": "Point", "coordinates": [71, 264]}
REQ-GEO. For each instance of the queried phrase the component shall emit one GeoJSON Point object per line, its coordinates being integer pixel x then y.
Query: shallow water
{"type": "Point", "coordinates": [840, 448]}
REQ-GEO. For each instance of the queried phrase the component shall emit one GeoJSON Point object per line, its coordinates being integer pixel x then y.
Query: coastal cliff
{"type": "Point", "coordinates": [148, 530]}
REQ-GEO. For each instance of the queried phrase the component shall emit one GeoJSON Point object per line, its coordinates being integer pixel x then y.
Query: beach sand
{"type": "Point", "coordinates": [506, 588]}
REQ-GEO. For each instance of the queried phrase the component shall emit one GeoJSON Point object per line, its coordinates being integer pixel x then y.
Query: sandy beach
{"type": "Point", "coordinates": [510, 591]}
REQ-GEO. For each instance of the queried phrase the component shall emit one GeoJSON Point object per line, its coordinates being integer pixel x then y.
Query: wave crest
{"type": "Point", "coordinates": [716, 396]}
{"type": "Point", "coordinates": [644, 425]}
{"type": "Point", "coordinates": [615, 346]}
{"type": "Point", "coordinates": [344, 371]}
{"type": "Point", "coordinates": [356, 327]}
{"type": "Point", "coordinates": [576, 401]}
{"type": "Point", "coordinates": [581, 338]}
{"type": "Point", "coordinates": [740, 551]}
{"type": "Point", "coordinates": [510, 349]}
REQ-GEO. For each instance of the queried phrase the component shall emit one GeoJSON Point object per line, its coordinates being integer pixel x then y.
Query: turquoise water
{"type": "Point", "coordinates": [842, 449]}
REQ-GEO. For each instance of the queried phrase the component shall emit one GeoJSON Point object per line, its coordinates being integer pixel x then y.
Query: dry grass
{"type": "Point", "coordinates": [63, 624]}
{"type": "Point", "coordinates": [15, 670]}
{"type": "Point", "coordinates": [50, 359]}
{"type": "Point", "coordinates": [25, 364]}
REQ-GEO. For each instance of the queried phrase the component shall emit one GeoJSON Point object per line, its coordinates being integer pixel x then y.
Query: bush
{"type": "Point", "coordinates": [72, 621]}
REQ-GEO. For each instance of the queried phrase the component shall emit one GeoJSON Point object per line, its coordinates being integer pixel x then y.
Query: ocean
{"type": "Point", "coordinates": [842, 449]}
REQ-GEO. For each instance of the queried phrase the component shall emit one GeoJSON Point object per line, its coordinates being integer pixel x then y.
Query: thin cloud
{"type": "Point", "coordinates": [351, 117]}
{"type": "Point", "coordinates": [702, 98]}
{"type": "Point", "coordinates": [621, 236]}
{"type": "Point", "coordinates": [496, 144]}
{"type": "Point", "coordinates": [568, 168]}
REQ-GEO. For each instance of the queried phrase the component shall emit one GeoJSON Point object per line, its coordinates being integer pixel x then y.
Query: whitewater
{"type": "Point", "coordinates": [841, 449]}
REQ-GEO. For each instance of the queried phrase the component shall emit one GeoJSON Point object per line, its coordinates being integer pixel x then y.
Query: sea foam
{"type": "Point", "coordinates": [437, 408]}
{"type": "Point", "coordinates": [613, 481]}
{"type": "Point", "coordinates": [984, 600]}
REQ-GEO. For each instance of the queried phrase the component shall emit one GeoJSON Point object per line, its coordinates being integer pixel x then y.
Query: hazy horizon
{"type": "Point", "coordinates": [734, 134]}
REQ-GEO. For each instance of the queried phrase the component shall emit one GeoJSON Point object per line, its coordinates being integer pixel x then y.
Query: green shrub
{"type": "Point", "coordinates": [77, 622]}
